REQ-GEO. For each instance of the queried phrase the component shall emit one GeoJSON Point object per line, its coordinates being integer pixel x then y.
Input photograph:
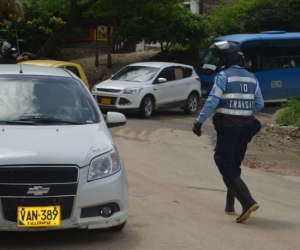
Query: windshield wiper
{"type": "Point", "coordinates": [47, 120]}
{"type": "Point", "coordinates": [19, 122]}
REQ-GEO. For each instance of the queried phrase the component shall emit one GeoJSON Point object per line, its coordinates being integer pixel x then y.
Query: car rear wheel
{"type": "Point", "coordinates": [192, 104]}
{"type": "Point", "coordinates": [146, 107]}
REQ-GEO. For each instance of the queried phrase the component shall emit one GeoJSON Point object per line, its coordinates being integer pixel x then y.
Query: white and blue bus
{"type": "Point", "coordinates": [275, 59]}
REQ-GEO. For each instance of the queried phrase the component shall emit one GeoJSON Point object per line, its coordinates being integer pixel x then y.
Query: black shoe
{"type": "Point", "coordinates": [229, 208]}
{"type": "Point", "coordinates": [242, 193]}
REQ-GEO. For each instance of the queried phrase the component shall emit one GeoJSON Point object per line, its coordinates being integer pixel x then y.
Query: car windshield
{"type": "Point", "coordinates": [46, 100]}
{"type": "Point", "coordinates": [136, 74]}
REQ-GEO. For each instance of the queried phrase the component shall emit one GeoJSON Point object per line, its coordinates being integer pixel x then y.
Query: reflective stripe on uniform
{"type": "Point", "coordinates": [241, 79]}
{"type": "Point", "coordinates": [216, 91]}
{"type": "Point", "coordinates": [235, 112]}
{"type": "Point", "coordinates": [238, 96]}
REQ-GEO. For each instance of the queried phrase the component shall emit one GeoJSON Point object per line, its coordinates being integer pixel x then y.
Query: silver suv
{"type": "Point", "coordinates": [147, 86]}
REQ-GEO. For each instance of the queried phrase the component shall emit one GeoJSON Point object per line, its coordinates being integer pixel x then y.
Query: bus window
{"type": "Point", "coordinates": [281, 53]}
{"type": "Point", "coordinates": [253, 49]}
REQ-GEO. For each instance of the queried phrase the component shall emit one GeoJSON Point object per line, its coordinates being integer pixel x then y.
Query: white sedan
{"type": "Point", "coordinates": [147, 86]}
{"type": "Point", "coordinates": [60, 167]}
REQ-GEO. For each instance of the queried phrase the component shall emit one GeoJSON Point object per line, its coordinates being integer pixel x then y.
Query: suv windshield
{"type": "Point", "coordinates": [136, 74]}
{"type": "Point", "coordinates": [44, 100]}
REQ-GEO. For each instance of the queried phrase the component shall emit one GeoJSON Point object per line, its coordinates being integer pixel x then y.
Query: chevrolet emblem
{"type": "Point", "coordinates": [38, 190]}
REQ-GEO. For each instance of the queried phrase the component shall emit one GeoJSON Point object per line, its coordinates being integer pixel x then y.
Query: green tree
{"type": "Point", "coordinates": [163, 21]}
{"type": "Point", "coordinates": [172, 24]}
{"type": "Point", "coordinates": [69, 10]}
{"type": "Point", "coordinates": [34, 28]}
{"type": "Point", "coordinates": [240, 16]}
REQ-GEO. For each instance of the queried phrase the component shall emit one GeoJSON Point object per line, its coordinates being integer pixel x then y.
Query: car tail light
{"type": "Point", "coordinates": [198, 79]}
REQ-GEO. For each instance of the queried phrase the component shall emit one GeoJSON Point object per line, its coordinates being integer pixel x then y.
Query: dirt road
{"type": "Point", "coordinates": [177, 196]}
{"type": "Point", "coordinates": [177, 199]}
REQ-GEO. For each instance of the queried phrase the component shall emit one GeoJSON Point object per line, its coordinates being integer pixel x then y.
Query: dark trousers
{"type": "Point", "coordinates": [230, 151]}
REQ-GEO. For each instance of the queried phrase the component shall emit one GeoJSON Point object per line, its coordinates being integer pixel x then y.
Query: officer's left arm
{"type": "Point", "coordinates": [259, 101]}
{"type": "Point", "coordinates": [213, 99]}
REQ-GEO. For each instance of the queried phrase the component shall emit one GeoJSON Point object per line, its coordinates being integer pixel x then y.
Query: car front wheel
{"type": "Point", "coordinates": [146, 107]}
{"type": "Point", "coordinates": [192, 104]}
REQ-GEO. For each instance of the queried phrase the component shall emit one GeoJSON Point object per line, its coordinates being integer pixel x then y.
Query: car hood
{"type": "Point", "coordinates": [113, 84]}
{"type": "Point", "coordinates": [73, 144]}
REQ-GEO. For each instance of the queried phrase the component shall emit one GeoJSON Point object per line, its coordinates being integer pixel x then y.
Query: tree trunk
{"type": "Point", "coordinates": [44, 51]}
{"type": "Point", "coordinates": [109, 59]}
{"type": "Point", "coordinates": [201, 6]}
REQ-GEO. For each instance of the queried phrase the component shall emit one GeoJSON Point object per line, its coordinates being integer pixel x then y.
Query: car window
{"type": "Point", "coordinates": [37, 96]}
{"type": "Point", "coordinates": [187, 72]}
{"type": "Point", "coordinates": [167, 73]}
{"type": "Point", "coordinates": [178, 71]}
{"type": "Point", "coordinates": [74, 70]}
{"type": "Point", "coordinates": [136, 73]}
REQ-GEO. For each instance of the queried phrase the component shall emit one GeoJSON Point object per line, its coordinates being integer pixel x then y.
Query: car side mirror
{"type": "Point", "coordinates": [161, 80]}
{"type": "Point", "coordinates": [114, 119]}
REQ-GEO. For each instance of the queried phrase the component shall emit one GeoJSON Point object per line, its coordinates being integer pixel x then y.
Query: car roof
{"type": "Point", "coordinates": [159, 64]}
{"type": "Point", "coordinates": [15, 69]}
{"type": "Point", "coordinates": [51, 63]}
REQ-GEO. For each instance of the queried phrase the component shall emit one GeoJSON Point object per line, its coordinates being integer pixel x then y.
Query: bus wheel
{"type": "Point", "coordinates": [192, 104]}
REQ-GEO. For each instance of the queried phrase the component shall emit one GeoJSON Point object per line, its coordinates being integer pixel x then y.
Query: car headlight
{"type": "Point", "coordinates": [94, 89]}
{"type": "Point", "coordinates": [104, 165]}
{"type": "Point", "coordinates": [132, 90]}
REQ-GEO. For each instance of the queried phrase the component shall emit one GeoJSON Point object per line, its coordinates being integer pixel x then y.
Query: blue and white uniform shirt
{"type": "Point", "coordinates": [238, 98]}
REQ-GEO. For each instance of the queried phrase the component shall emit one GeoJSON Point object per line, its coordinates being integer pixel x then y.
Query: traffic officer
{"type": "Point", "coordinates": [235, 97]}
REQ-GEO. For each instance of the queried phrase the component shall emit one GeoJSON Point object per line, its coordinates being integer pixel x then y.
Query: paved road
{"type": "Point", "coordinates": [177, 198]}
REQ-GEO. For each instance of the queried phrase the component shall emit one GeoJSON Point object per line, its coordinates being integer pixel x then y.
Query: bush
{"type": "Point", "coordinates": [34, 29]}
{"type": "Point", "coordinates": [290, 114]}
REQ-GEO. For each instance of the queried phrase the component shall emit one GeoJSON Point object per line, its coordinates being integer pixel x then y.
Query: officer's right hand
{"type": "Point", "coordinates": [197, 128]}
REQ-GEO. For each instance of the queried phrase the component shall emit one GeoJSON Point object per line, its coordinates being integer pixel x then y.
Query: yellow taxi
{"type": "Point", "coordinates": [73, 67]}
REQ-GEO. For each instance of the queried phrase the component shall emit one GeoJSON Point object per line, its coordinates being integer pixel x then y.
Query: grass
{"type": "Point", "coordinates": [290, 114]}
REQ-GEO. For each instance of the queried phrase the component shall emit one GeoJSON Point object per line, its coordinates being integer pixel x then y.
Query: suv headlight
{"type": "Point", "coordinates": [104, 165]}
{"type": "Point", "coordinates": [132, 90]}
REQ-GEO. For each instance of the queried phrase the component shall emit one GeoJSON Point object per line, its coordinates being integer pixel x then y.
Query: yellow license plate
{"type": "Point", "coordinates": [105, 101]}
{"type": "Point", "coordinates": [48, 216]}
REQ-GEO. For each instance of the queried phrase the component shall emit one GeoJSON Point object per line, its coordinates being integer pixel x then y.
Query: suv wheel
{"type": "Point", "coordinates": [146, 107]}
{"type": "Point", "coordinates": [192, 104]}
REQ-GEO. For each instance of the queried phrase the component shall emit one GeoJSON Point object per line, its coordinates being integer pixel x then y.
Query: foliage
{"type": "Point", "coordinates": [290, 115]}
{"type": "Point", "coordinates": [34, 28]}
{"type": "Point", "coordinates": [108, 11]}
{"type": "Point", "coordinates": [177, 47]}
{"type": "Point", "coordinates": [249, 16]}
{"type": "Point", "coordinates": [172, 24]}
